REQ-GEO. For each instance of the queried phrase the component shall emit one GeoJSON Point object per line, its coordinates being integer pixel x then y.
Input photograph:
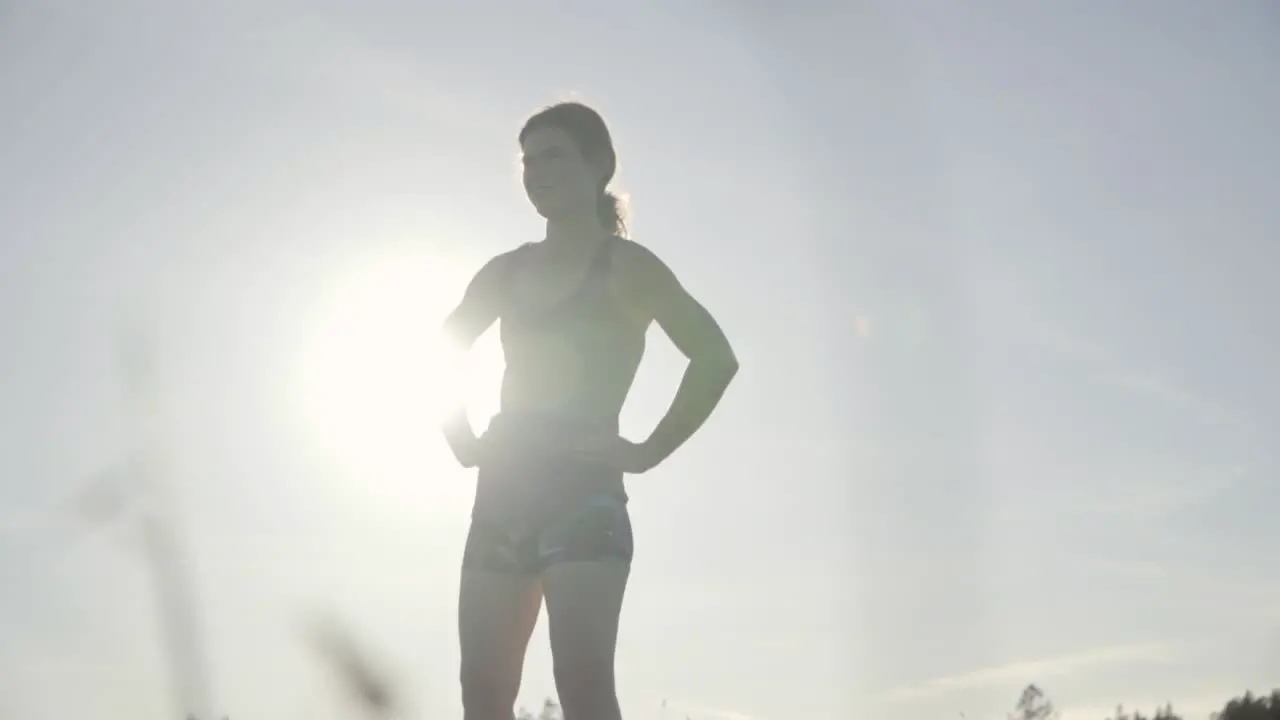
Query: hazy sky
{"type": "Point", "coordinates": [996, 272]}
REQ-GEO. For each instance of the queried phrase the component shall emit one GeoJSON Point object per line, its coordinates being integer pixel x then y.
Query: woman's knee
{"type": "Point", "coordinates": [494, 684]}
{"type": "Point", "coordinates": [586, 688]}
{"type": "Point", "coordinates": [582, 672]}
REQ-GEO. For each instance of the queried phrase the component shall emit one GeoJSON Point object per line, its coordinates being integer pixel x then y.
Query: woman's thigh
{"type": "Point", "coordinates": [584, 603]}
{"type": "Point", "coordinates": [498, 606]}
{"type": "Point", "coordinates": [587, 563]}
{"type": "Point", "coordinates": [496, 615]}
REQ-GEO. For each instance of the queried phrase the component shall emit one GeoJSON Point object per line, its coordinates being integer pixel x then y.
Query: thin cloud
{"type": "Point", "coordinates": [695, 711]}
{"type": "Point", "coordinates": [1177, 487]}
{"type": "Point", "coordinates": [1022, 672]}
{"type": "Point", "coordinates": [1124, 374]}
{"type": "Point", "coordinates": [1131, 568]}
{"type": "Point", "coordinates": [14, 523]}
{"type": "Point", "coordinates": [1072, 344]}
{"type": "Point", "coordinates": [22, 522]}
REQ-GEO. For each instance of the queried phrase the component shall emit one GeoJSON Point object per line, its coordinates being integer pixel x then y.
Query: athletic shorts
{"type": "Point", "coordinates": [597, 529]}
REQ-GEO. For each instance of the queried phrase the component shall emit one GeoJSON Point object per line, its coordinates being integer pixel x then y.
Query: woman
{"type": "Point", "coordinates": [550, 517]}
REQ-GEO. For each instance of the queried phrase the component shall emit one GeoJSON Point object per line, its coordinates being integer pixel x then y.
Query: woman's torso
{"type": "Point", "coordinates": [570, 343]}
{"type": "Point", "coordinates": [572, 347]}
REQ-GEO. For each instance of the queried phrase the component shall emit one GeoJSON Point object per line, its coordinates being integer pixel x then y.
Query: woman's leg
{"type": "Point", "coordinates": [498, 606]}
{"type": "Point", "coordinates": [588, 563]}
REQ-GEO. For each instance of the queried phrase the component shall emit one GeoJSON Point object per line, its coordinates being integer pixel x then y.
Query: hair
{"type": "Point", "coordinates": [589, 132]}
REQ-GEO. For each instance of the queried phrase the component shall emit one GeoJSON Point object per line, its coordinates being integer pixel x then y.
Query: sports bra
{"type": "Point", "coordinates": [590, 329]}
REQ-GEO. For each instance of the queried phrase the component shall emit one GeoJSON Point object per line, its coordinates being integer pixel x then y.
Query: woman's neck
{"type": "Point", "coordinates": [579, 232]}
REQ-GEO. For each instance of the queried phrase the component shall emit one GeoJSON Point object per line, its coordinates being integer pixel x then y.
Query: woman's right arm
{"type": "Point", "coordinates": [479, 309]}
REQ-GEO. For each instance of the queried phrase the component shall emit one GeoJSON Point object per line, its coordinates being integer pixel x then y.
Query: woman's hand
{"type": "Point", "coordinates": [469, 451]}
{"type": "Point", "coordinates": [619, 453]}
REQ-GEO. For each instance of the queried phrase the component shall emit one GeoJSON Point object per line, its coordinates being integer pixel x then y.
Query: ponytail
{"type": "Point", "coordinates": [611, 210]}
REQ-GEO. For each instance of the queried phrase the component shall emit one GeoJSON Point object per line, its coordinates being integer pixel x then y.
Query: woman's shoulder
{"type": "Point", "coordinates": [519, 251]}
{"type": "Point", "coordinates": [491, 280]}
{"type": "Point", "coordinates": [634, 254]}
{"type": "Point", "coordinates": [501, 264]}
{"type": "Point", "coordinates": [640, 274]}
{"type": "Point", "coordinates": [639, 262]}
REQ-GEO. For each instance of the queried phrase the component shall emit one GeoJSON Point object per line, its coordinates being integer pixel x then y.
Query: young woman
{"type": "Point", "coordinates": [550, 517]}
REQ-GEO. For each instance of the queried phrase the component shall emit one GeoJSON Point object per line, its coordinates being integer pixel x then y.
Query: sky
{"type": "Point", "coordinates": [996, 274]}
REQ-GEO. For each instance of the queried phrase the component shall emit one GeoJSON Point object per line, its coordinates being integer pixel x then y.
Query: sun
{"type": "Point", "coordinates": [376, 376]}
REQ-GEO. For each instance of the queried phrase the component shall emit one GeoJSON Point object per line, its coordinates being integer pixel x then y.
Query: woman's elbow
{"type": "Point", "coordinates": [730, 362]}
{"type": "Point", "coordinates": [721, 361]}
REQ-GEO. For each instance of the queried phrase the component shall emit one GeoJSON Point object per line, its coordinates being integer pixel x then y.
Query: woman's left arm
{"type": "Point", "coordinates": [693, 330]}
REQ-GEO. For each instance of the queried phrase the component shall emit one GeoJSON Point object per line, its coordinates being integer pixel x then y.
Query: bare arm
{"type": "Point", "coordinates": [692, 329]}
{"type": "Point", "coordinates": [475, 314]}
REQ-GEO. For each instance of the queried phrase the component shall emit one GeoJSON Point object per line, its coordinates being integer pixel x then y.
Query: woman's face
{"type": "Point", "coordinates": [557, 178]}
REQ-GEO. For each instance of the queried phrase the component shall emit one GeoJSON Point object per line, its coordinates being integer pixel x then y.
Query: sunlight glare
{"type": "Point", "coordinates": [377, 376]}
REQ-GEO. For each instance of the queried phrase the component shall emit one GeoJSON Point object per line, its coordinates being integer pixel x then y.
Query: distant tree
{"type": "Point", "coordinates": [1033, 704]}
{"type": "Point", "coordinates": [1162, 713]}
{"type": "Point", "coordinates": [1245, 707]}
{"type": "Point", "coordinates": [1251, 707]}
{"type": "Point", "coordinates": [550, 711]}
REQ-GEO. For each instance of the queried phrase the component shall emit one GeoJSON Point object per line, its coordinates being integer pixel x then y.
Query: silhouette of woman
{"type": "Point", "coordinates": [550, 517]}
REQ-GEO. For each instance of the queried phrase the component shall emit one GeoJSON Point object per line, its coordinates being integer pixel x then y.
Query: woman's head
{"type": "Point", "coordinates": [569, 160]}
